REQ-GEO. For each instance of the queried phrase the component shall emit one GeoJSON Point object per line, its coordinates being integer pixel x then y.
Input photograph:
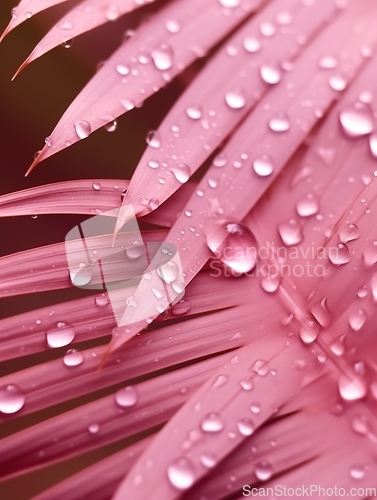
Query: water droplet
{"type": "Point", "coordinates": [357, 471]}
{"type": "Point", "coordinates": [261, 367]}
{"type": "Point", "coordinates": [168, 272]}
{"type": "Point", "coordinates": [28, 14]}
{"type": "Point", "coordinates": [153, 203]}
{"type": "Point", "coordinates": [351, 389]}
{"type": "Point", "coordinates": [339, 255]}
{"type": "Point", "coordinates": [181, 473]}
{"type": "Point", "coordinates": [220, 381]}
{"type": "Point", "coordinates": [271, 73]}
{"type": "Point", "coordinates": [251, 44]}
{"type": "Point", "coordinates": [73, 357]}
{"type": "Point", "coordinates": [67, 25]}
{"type": "Point", "coordinates": [370, 254]}
{"type": "Point", "coordinates": [128, 104]}
{"type": "Point", "coordinates": [172, 26]}
{"type": "Point", "coordinates": [208, 459]}
{"type": "Point", "coordinates": [122, 69]}
{"type": "Point", "coordinates": [229, 4]}
{"type": "Point", "coordinates": [349, 232]}
{"type": "Point", "coordinates": [94, 428]}
{"type": "Point", "coordinates": [235, 245]}
{"type": "Point", "coordinates": [373, 144]}
{"type": "Point", "coordinates": [81, 276]}
{"type": "Point", "coordinates": [220, 160]}
{"type": "Point", "coordinates": [195, 112]}
{"type": "Point", "coordinates": [263, 470]}
{"type": "Point", "coordinates": [182, 307]}
{"type": "Point", "coordinates": [284, 18]}
{"type": "Point", "coordinates": [96, 186]}
{"type": "Point", "coordinates": [255, 408]}
{"type": "Point", "coordinates": [67, 44]}
{"type": "Point", "coordinates": [270, 283]}
{"type": "Point", "coordinates": [360, 425]}
{"type": "Point", "coordinates": [328, 62]}
{"type": "Point", "coordinates": [112, 13]}
{"type": "Point", "coordinates": [263, 166]}
{"type": "Point", "coordinates": [60, 335]}
{"type": "Point", "coordinates": [280, 123]}
{"type": "Point", "coordinates": [245, 426]}
{"type": "Point", "coordinates": [12, 399]}
{"type": "Point", "coordinates": [153, 163]}
{"type": "Point", "coordinates": [307, 206]}
{"type": "Point", "coordinates": [83, 129]}
{"type": "Point", "coordinates": [212, 423]}
{"type": "Point", "coordinates": [235, 99]}
{"type": "Point", "coordinates": [356, 120]}
{"type": "Point", "coordinates": [153, 139]}
{"type": "Point", "coordinates": [163, 57]}
{"type": "Point", "coordinates": [247, 384]}
{"type": "Point", "coordinates": [290, 232]}
{"type": "Point", "coordinates": [337, 83]}
{"type": "Point", "coordinates": [309, 331]}
{"type": "Point", "coordinates": [267, 29]}
{"type": "Point", "coordinates": [111, 127]}
{"type": "Point", "coordinates": [126, 397]}
{"type": "Point", "coordinates": [136, 250]}
{"type": "Point", "coordinates": [181, 172]}
{"type": "Point", "coordinates": [357, 320]}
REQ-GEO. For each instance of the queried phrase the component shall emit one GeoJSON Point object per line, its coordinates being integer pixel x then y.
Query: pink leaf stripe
{"type": "Point", "coordinates": [25, 10]}
{"type": "Point", "coordinates": [116, 87]}
{"type": "Point", "coordinates": [222, 86]}
{"type": "Point", "coordinates": [207, 210]}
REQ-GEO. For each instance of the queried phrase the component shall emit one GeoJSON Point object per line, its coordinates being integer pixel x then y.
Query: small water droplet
{"type": "Point", "coordinates": [181, 172]}
{"type": "Point", "coordinates": [373, 144]}
{"type": "Point", "coordinates": [290, 232]}
{"type": "Point", "coordinates": [67, 44]}
{"type": "Point", "coordinates": [251, 44]}
{"type": "Point", "coordinates": [112, 13]}
{"type": "Point", "coordinates": [153, 139]}
{"type": "Point", "coordinates": [60, 335]}
{"type": "Point", "coordinates": [356, 120]}
{"type": "Point", "coordinates": [245, 426]}
{"type": "Point", "coordinates": [247, 384]}
{"type": "Point", "coordinates": [12, 399]}
{"type": "Point", "coordinates": [73, 357]}
{"type": "Point", "coordinates": [271, 73]}
{"type": "Point", "coordinates": [81, 276]}
{"type": "Point", "coordinates": [111, 127]}
{"type": "Point", "coordinates": [153, 203]}
{"type": "Point", "coordinates": [122, 69]}
{"type": "Point", "coordinates": [208, 459]}
{"type": "Point", "coordinates": [67, 25]}
{"type": "Point", "coordinates": [307, 206]}
{"type": "Point", "coordinates": [94, 428]}
{"type": "Point", "coordinates": [263, 166]}
{"type": "Point", "coordinates": [357, 472]}
{"type": "Point", "coordinates": [181, 307]}
{"type": "Point", "coordinates": [220, 160]}
{"type": "Point", "coordinates": [267, 29]}
{"type": "Point", "coordinates": [220, 381]}
{"type": "Point", "coordinates": [163, 57]}
{"type": "Point", "coordinates": [357, 320]}
{"type": "Point", "coordinates": [349, 232]}
{"type": "Point", "coordinates": [351, 389]}
{"type": "Point", "coordinates": [212, 423]}
{"type": "Point", "coordinates": [255, 408]}
{"type": "Point", "coordinates": [126, 397]}
{"type": "Point", "coordinates": [339, 255]}
{"type": "Point", "coordinates": [234, 244]}
{"type": "Point", "coordinates": [230, 4]}
{"type": "Point", "coordinates": [102, 300]}
{"type": "Point", "coordinates": [235, 99]}
{"type": "Point", "coordinates": [309, 331]}
{"type": "Point", "coordinates": [194, 112]}
{"type": "Point", "coordinates": [128, 104]}
{"type": "Point", "coordinates": [337, 83]}
{"type": "Point", "coordinates": [261, 367]}
{"type": "Point", "coordinates": [263, 470]}
{"type": "Point", "coordinates": [270, 283]}
{"type": "Point", "coordinates": [83, 129]}
{"type": "Point", "coordinates": [28, 14]}
{"type": "Point", "coordinates": [96, 186]}
{"type": "Point", "coordinates": [135, 250]}
{"type": "Point", "coordinates": [172, 26]}
{"type": "Point", "coordinates": [280, 123]}
{"type": "Point", "coordinates": [328, 62]}
{"type": "Point", "coordinates": [168, 272]}
{"type": "Point", "coordinates": [181, 473]}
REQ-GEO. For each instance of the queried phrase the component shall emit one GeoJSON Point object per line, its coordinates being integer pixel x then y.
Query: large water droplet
{"type": "Point", "coordinates": [356, 120]}
{"type": "Point", "coordinates": [351, 389]}
{"type": "Point", "coordinates": [263, 166]}
{"type": "Point", "coordinates": [60, 335]}
{"type": "Point", "coordinates": [309, 331]}
{"type": "Point", "coordinates": [271, 73]}
{"type": "Point", "coordinates": [181, 473]}
{"type": "Point", "coordinates": [263, 470]}
{"type": "Point", "coordinates": [245, 426]}
{"type": "Point", "coordinates": [235, 99]}
{"type": "Point", "coordinates": [247, 384]}
{"type": "Point", "coordinates": [357, 320]}
{"type": "Point", "coordinates": [307, 206]}
{"type": "Point", "coordinates": [212, 423]}
{"type": "Point", "coordinates": [373, 144]}
{"type": "Point", "coordinates": [194, 112]}
{"type": "Point", "coordinates": [270, 283]}
{"type": "Point", "coordinates": [235, 245]}
{"type": "Point", "coordinates": [279, 123]}
{"type": "Point", "coordinates": [261, 367]}
{"type": "Point", "coordinates": [153, 139]}
{"type": "Point", "coordinates": [163, 57]}
{"type": "Point", "coordinates": [339, 255]}
{"type": "Point", "coordinates": [135, 250]}
{"type": "Point", "coordinates": [338, 83]}
{"type": "Point", "coordinates": [126, 397]}
{"type": "Point", "coordinates": [83, 129]}
{"type": "Point", "coordinates": [290, 232]}
{"type": "Point", "coordinates": [73, 357]}
{"type": "Point", "coordinates": [12, 399]}
{"type": "Point", "coordinates": [122, 69]}
{"type": "Point", "coordinates": [168, 272]}
{"type": "Point", "coordinates": [81, 276]}
{"type": "Point", "coordinates": [181, 172]}
{"type": "Point", "coordinates": [349, 232]}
